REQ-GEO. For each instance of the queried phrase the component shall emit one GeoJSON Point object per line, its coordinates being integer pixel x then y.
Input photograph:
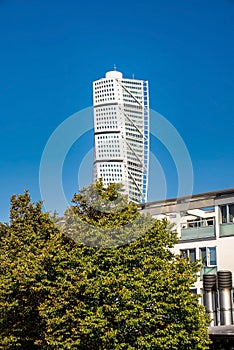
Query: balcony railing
{"type": "Point", "coordinates": [208, 270]}
{"type": "Point", "coordinates": [201, 229]}
{"type": "Point", "coordinates": [227, 230]}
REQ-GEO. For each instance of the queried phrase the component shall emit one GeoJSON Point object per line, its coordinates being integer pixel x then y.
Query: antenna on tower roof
{"type": "Point", "coordinates": [114, 66]}
{"type": "Point", "coordinates": [133, 76]}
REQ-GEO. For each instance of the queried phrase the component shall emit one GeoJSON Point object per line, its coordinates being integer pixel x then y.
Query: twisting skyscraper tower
{"type": "Point", "coordinates": [121, 132]}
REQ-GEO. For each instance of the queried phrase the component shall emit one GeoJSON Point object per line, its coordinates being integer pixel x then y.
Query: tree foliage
{"type": "Point", "coordinates": [102, 217]}
{"type": "Point", "coordinates": [59, 294]}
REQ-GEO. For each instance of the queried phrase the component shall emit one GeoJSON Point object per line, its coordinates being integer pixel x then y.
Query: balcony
{"type": "Point", "coordinates": [201, 229]}
{"type": "Point", "coordinates": [227, 230]}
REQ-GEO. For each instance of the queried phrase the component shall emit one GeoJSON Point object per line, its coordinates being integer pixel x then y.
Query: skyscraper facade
{"type": "Point", "coordinates": [121, 133]}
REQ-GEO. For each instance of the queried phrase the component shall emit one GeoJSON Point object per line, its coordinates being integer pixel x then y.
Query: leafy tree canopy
{"type": "Point", "coordinates": [103, 278]}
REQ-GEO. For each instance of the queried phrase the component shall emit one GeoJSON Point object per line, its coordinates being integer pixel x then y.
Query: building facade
{"type": "Point", "coordinates": [205, 227]}
{"type": "Point", "coordinates": [121, 133]}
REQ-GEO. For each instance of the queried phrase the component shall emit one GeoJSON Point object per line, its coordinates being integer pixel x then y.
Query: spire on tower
{"type": "Point", "coordinates": [114, 66]}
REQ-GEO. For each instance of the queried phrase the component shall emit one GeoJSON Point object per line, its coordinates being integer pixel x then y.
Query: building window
{"type": "Point", "coordinates": [208, 256]}
{"type": "Point", "coordinates": [231, 212]}
{"type": "Point", "coordinates": [227, 213]}
{"type": "Point", "coordinates": [193, 291]}
{"type": "Point", "coordinates": [223, 209]}
{"type": "Point", "coordinates": [189, 254]}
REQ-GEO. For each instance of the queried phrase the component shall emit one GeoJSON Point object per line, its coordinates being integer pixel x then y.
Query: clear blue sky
{"type": "Point", "coordinates": [51, 51]}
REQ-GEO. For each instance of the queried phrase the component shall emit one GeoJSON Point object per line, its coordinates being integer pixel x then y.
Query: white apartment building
{"type": "Point", "coordinates": [121, 133]}
{"type": "Point", "coordinates": [205, 226]}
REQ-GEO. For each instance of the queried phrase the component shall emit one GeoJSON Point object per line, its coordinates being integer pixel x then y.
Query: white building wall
{"type": "Point", "coordinates": [225, 253]}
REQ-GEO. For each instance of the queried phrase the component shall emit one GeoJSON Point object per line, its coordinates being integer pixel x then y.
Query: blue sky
{"type": "Point", "coordinates": [50, 52]}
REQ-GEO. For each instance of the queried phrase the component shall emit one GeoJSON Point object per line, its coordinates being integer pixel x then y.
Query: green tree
{"type": "Point", "coordinates": [124, 290]}
{"type": "Point", "coordinates": [29, 248]}
{"type": "Point", "coordinates": [103, 217]}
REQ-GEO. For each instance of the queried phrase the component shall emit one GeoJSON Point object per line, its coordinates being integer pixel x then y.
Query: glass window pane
{"type": "Point", "coordinates": [231, 212]}
{"type": "Point", "coordinates": [184, 253]}
{"type": "Point", "coordinates": [224, 213]}
{"type": "Point", "coordinates": [203, 256]}
{"type": "Point", "coordinates": [212, 251]}
{"type": "Point", "coordinates": [192, 255]}
{"type": "Point", "coordinates": [193, 291]}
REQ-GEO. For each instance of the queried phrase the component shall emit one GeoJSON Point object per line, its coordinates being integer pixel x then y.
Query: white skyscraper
{"type": "Point", "coordinates": [121, 132]}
